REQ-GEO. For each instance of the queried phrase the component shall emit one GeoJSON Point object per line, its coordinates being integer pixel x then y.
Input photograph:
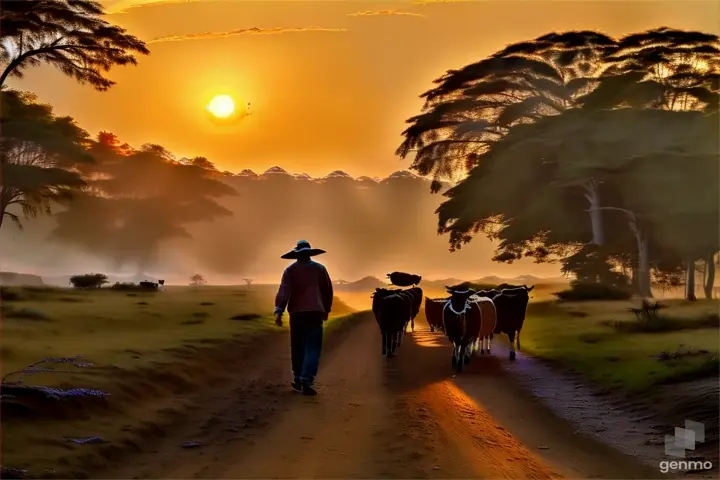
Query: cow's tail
{"type": "Point", "coordinates": [492, 335]}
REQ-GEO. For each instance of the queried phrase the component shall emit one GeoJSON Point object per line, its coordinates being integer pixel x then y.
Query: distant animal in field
{"type": "Point", "coordinates": [401, 279]}
{"type": "Point", "coordinates": [434, 313]}
{"type": "Point", "coordinates": [148, 285]}
{"type": "Point", "coordinates": [511, 306]}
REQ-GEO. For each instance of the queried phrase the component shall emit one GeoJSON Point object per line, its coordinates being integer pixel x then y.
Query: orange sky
{"type": "Point", "coordinates": [329, 89]}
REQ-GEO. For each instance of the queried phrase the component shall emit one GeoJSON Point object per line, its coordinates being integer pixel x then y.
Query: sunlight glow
{"type": "Point", "coordinates": [221, 106]}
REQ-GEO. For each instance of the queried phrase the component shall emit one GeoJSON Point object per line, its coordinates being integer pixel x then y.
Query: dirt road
{"type": "Point", "coordinates": [406, 417]}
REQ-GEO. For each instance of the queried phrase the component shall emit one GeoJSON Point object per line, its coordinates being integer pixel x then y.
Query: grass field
{"type": "Point", "coordinates": [597, 339]}
{"type": "Point", "coordinates": [147, 350]}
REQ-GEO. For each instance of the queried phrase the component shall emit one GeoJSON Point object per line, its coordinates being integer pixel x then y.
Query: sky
{"type": "Point", "coordinates": [330, 84]}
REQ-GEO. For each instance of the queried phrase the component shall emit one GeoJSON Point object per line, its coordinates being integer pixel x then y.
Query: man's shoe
{"type": "Point", "coordinates": [296, 386]}
{"type": "Point", "coordinates": [308, 390]}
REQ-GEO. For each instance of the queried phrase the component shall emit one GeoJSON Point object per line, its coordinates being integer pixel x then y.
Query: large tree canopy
{"type": "Point", "coordinates": [39, 156]}
{"type": "Point", "coordinates": [67, 34]}
{"type": "Point", "coordinates": [138, 198]}
{"type": "Point", "coordinates": [576, 138]}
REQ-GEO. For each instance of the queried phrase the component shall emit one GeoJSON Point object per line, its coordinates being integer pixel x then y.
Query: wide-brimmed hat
{"type": "Point", "coordinates": [303, 249]}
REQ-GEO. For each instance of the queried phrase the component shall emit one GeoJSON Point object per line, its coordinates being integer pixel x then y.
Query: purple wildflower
{"type": "Point", "coordinates": [85, 440]}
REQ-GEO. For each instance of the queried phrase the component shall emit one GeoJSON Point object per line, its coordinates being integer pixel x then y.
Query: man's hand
{"type": "Point", "coordinates": [278, 319]}
{"type": "Point", "coordinates": [325, 317]}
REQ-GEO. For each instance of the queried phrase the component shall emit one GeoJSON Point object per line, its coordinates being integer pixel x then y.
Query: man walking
{"type": "Point", "coordinates": [307, 292]}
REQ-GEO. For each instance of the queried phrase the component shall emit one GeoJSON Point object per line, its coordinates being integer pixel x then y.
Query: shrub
{"type": "Point", "coordinates": [89, 280]}
{"type": "Point", "coordinates": [581, 291]}
{"type": "Point", "coordinates": [9, 295]}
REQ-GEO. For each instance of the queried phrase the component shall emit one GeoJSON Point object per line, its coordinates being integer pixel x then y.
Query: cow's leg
{"type": "Point", "coordinates": [511, 337]}
{"type": "Point", "coordinates": [412, 324]}
{"type": "Point", "coordinates": [460, 360]}
{"type": "Point", "coordinates": [488, 345]}
{"type": "Point", "coordinates": [391, 345]}
{"type": "Point", "coordinates": [384, 340]}
{"type": "Point", "coordinates": [467, 354]}
{"type": "Point", "coordinates": [482, 345]}
{"type": "Point", "coordinates": [454, 355]}
{"type": "Point", "coordinates": [517, 335]}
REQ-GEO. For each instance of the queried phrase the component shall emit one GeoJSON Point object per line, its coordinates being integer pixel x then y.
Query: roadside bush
{"type": "Point", "coordinates": [89, 280]}
{"type": "Point", "coordinates": [9, 295]}
{"type": "Point", "coordinates": [582, 291]}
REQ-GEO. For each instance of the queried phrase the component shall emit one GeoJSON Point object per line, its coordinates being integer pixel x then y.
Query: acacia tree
{"type": "Point", "coordinates": [39, 156]}
{"type": "Point", "coordinates": [667, 69]}
{"type": "Point", "coordinates": [515, 202]}
{"type": "Point", "coordinates": [67, 34]}
{"type": "Point", "coordinates": [473, 108]}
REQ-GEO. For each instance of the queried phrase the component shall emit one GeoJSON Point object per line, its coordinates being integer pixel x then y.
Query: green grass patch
{"type": "Point", "coordinates": [147, 350]}
{"type": "Point", "coordinates": [602, 341]}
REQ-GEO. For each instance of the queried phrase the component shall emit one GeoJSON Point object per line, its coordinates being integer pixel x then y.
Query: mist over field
{"type": "Point", "coordinates": [368, 226]}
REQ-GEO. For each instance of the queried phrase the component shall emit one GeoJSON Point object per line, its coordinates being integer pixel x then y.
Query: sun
{"type": "Point", "coordinates": [221, 106]}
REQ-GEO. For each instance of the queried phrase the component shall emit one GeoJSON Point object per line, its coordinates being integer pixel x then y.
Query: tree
{"type": "Point", "coordinates": [138, 198]}
{"type": "Point", "coordinates": [531, 181]}
{"type": "Point", "coordinates": [39, 157]}
{"type": "Point", "coordinates": [663, 68]}
{"type": "Point", "coordinates": [197, 280]}
{"type": "Point", "coordinates": [248, 281]}
{"type": "Point", "coordinates": [67, 34]}
{"type": "Point", "coordinates": [89, 280]}
{"type": "Point", "coordinates": [476, 106]}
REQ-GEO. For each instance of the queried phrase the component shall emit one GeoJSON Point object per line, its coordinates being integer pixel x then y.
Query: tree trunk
{"type": "Point", "coordinates": [690, 293]}
{"type": "Point", "coordinates": [710, 280]}
{"type": "Point", "coordinates": [634, 276]}
{"type": "Point", "coordinates": [643, 265]}
{"type": "Point", "coordinates": [592, 194]}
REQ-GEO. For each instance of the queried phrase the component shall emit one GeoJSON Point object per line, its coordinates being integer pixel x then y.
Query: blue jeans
{"type": "Point", "coordinates": [306, 334]}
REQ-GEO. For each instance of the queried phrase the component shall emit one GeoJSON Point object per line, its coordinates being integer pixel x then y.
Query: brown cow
{"type": "Point", "coordinates": [488, 321]}
{"type": "Point", "coordinates": [511, 305]}
{"type": "Point", "coordinates": [434, 313]}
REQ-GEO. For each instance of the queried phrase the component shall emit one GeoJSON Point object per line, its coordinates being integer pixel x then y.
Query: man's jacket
{"type": "Point", "coordinates": [305, 287]}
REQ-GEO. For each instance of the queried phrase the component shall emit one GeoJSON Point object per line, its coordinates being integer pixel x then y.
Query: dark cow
{"type": "Point", "coordinates": [413, 296]}
{"type": "Point", "coordinates": [393, 310]}
{"type": "Point", "coordinates": [416, 296]}
{"type": "Point", "coordinates": [401, 279]}
{"type": "Point", "coordinates": [434, 313]}
{"type": "Point", "coordinates": [462, 322]}
{"type": "Point", "coordinates": [511, 306]}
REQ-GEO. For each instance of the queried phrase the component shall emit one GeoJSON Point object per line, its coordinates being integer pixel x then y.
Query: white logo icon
{"type": "Point", "coordinates": [684, 439]}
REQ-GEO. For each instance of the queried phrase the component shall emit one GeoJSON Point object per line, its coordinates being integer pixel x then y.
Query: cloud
{"type": "Point", "coordinates": [430, 2]}
{"type": "Point", "coordinates": [243, 31]}
{"type": "Point", "coordinates": [375, 13]}
{"type": "Point", "coordinates": [125, 6]}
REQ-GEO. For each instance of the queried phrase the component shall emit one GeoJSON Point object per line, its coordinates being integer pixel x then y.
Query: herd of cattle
{"type": "Point", "coordinates": [469, 318]}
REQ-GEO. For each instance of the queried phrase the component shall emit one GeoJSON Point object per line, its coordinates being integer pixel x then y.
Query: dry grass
{"type": "Point", "coordinates": [148, 350]}
{"type": "Point", "coordinates": [584, 337]}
